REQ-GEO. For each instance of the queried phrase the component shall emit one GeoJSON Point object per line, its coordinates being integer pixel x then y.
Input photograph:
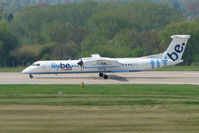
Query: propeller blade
{"type": "Point", "coordinates": [81, 63]}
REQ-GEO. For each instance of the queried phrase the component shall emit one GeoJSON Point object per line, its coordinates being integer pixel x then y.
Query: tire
{"type": "Point", "coordinates": [31, 76]}
{"type": "Point", "coordinates": [101, 74]}
{"type": "Point", "coordinates": [105, 76]}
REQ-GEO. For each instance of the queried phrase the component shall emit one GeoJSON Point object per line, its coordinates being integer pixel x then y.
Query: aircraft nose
{"type": "Point", "coordinates": [25, 71]}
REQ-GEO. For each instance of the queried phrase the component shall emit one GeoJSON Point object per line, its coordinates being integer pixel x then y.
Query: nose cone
{"type": "Point", "coordinates": [26, 71]}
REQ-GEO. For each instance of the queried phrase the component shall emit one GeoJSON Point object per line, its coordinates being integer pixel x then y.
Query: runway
{"type": "Point", "coordinates": [148, 77]}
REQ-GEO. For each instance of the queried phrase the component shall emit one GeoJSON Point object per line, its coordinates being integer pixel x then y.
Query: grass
{"type": "Point", "coordinates": [11, 69]}
{"type": "Point", "coordinates": [99, 108]}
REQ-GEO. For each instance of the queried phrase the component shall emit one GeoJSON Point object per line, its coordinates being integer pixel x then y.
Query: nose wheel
{"type": "Point", "coordinates": [103, 75]}
{"type": "Point", "coordinates": [30, 76]}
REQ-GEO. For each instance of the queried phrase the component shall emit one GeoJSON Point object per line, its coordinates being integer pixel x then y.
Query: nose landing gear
{"type": "Point", "coordinates": [30, 76]}
{"type": "Point", "coordinates": [103, 75]}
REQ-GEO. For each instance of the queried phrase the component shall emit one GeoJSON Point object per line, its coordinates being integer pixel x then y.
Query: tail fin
{"type": "Point", "coordinates": [176, 48]}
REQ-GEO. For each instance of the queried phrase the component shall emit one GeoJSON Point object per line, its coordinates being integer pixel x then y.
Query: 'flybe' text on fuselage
{"type": "Point", "coordinates": [61, 66]}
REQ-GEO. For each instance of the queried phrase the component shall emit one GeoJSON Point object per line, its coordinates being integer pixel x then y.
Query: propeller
{"type": "Point", "coordinates": [81, 63]}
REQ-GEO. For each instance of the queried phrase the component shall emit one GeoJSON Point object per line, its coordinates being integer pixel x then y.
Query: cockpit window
{"type": "Point", "coordinates": [35, 64]}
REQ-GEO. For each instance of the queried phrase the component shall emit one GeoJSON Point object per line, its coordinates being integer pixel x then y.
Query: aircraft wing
{"type": "Point", "coordinates": [101, 64]}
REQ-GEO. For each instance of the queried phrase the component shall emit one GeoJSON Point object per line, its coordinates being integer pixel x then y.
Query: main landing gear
{"type": "Point", "coordinates": [30, 76]}
{"type": "Point", "coordinates": [103, 75]}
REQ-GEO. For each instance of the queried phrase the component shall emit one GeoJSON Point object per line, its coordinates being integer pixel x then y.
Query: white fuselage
{"type": "Point", "coordinates": [71, 66]}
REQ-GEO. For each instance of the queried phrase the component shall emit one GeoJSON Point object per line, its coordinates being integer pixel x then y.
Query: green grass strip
{"type": "Point", "coordinates": [99, 95]}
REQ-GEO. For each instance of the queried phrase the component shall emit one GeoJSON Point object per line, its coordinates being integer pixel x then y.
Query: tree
{"type": "Point", "coordinates": [108, 22]}
{"type": "Point", "coordinates": [150, 41]}
{"type": "Point", "coordinates": [26, 55]}
{"type": "Point", "coordinates": [94, 43]}
{"type": "Point", "coordinates": [56, 31]}
{"type": "Point", "coordinates": [8, 42]}
{"type": "Point", "coordinates": [67, 49]}
{"type": "Point", "coordinates": [124, 43]}
{"type": "Point", "coordinates": [10, 17]}
{"type": "Point", "coordinates": [58, 50]}
{"type": "Point", "coordinates": [78, 34]}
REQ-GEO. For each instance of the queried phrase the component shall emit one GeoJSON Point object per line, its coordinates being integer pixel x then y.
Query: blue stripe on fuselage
{"type": "Point", "coordinates": [84, 72]}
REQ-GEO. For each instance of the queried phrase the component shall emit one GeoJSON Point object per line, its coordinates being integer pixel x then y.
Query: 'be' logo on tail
{"type": "Point", "coordinates": [178, 49]}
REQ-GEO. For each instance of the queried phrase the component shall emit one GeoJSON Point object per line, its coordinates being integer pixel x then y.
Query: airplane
{"type": "Point", "coordinates": [104, 65]}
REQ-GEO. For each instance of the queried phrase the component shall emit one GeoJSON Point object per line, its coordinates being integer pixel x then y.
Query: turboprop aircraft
{"type": "Point", "coordinates": [103, 65]}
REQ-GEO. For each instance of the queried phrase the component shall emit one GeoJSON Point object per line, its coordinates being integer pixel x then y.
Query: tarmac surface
{"type": "Point", "coordinates": [147, 77]}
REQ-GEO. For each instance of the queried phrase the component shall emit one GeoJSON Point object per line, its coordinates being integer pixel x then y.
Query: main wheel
{"type": "Point", "coordinates": [101, 74]}
{"type": "Point", "coordinates": [105, 76]}
{"type": "Point", "coordinates": [31, 76]}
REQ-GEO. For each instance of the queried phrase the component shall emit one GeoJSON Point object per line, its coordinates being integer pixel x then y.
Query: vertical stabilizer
{"type": "Point", "coordinates": [176, 48]}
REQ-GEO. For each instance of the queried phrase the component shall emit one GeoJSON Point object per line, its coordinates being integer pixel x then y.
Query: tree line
{"type": "Point", "coordinates": [187, 7]}
{"type": "Point", "coordinates": [80, 29]}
